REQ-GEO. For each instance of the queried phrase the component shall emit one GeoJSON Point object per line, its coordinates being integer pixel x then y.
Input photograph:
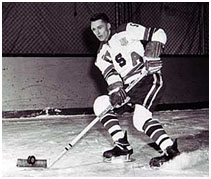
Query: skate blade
{"type": "Point", "coordinates": [38, 163]}
{"type": "Point", "coordinates": [119, 159]}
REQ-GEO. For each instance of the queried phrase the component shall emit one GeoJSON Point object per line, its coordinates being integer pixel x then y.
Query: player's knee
{"type": "Point", "coordinates": [100, 104]}
{"type": "Point", "coordinates": [141, 115]}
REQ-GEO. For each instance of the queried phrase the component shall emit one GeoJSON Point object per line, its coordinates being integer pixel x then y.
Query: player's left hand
{"type": "Point", "coordinates": [153, 65]}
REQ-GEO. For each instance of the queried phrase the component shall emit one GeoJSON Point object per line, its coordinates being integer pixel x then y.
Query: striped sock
{"type": "Point", "coordinates": [155, 131]}
{"type": "Point", "coordinates": [111, 124]}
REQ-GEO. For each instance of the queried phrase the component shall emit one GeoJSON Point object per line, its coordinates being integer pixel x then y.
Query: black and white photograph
{"type": "Point", "coordinates": [105, 89]}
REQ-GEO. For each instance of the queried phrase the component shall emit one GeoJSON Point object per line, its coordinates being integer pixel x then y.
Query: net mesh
{"type": "Point", "coordinates": [49, 28]}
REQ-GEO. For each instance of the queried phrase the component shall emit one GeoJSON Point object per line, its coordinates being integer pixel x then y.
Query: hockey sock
{"type": "Point", "coordinates": [155, 131]}
{"type": "Point", "coordinates": [111, 124]}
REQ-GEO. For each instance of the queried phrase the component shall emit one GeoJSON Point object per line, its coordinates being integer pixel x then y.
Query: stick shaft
{"type": "Point", "coordinates": [75, 140]}
{"type": "Point", "coordinates": [87, 128]}
{"type": "Point", "coordinates": [79, 136]}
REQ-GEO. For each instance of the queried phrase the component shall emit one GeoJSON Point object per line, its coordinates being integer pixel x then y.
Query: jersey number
{"type": "Point", "coordinates": [122, 62]}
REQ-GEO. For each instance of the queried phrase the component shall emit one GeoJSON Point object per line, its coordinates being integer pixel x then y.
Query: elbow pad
{"type": "Point", "coordinates": [159, 36]}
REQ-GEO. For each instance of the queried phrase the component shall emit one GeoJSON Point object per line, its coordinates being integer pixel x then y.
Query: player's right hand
{"type": "Point", "coordinates": [118, 98]}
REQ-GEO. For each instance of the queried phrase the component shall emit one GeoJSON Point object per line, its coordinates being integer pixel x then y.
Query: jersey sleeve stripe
{"type": "Point", "coordinates": [111, 73]}
{"type": "Point", "coordinates": [146, 33]}
{"type": "Point", "coordinates": [152, 30]}
{"type": "Point", "coordinates": [149, 33]}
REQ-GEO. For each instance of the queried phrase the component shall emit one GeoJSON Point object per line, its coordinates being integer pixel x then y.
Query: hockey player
{"type": "Point", "coordinates": [122, 56]}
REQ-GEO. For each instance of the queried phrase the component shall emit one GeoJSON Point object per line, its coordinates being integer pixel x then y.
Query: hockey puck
{"type": "Point", "coordinates": [31, 159]}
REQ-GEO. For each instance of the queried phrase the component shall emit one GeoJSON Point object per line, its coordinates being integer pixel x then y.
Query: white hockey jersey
{"type": "Point", "coordinates": [125, 50]}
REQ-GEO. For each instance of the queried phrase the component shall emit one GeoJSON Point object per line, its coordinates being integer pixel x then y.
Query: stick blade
{"type": "Point", "coordinates": [38, 163]}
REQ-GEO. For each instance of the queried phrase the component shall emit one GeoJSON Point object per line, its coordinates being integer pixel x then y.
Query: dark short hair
{"type": "Point", "coordinates": [101, 16]}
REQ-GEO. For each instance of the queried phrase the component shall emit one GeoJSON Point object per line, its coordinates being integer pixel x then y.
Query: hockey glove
{"type": "Point", "coordinates": [153, 65]}
{"type": "Point", "coordinates": [118, 98]}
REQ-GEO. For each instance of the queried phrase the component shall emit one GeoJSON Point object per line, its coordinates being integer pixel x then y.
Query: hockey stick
{"type": "Point", "coordinates": [87, 128]}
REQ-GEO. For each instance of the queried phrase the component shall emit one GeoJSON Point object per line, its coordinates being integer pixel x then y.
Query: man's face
{"type": "Point", "coordinates": [101, 29]}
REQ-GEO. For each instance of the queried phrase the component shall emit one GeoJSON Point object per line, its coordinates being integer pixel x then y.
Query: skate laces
{"type": "Point", "coordinates": [122, 146]}
{"type": "Point", "coordinates": [123, 143]}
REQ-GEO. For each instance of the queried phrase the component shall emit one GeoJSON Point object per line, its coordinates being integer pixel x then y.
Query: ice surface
{"type": "Point", "coordinates": [46, 136]}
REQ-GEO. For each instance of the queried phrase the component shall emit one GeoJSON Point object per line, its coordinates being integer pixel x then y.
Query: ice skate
{"type": "Point", "coordinates": [120, 153]}
{"type": "Point", "coordinates": [171, 152]}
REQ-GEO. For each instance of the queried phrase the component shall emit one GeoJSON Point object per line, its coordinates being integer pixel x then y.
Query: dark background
{"type": "Point", "coordinates": [50, 28]}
